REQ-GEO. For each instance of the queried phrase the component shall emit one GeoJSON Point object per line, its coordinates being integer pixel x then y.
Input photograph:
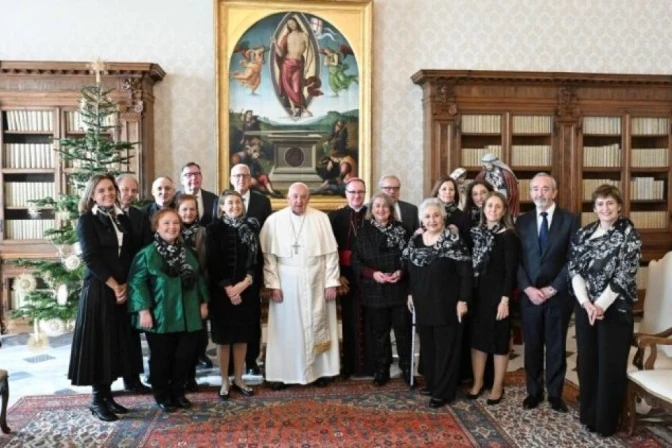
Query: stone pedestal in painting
{"type": "Point", "coordinates": [295, 158]}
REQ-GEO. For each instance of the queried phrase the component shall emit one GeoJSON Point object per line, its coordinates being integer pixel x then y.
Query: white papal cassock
{"type": "Point", "coordinates": [301, 259]}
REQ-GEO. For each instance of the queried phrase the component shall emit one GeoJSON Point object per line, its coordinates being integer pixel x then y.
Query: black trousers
{"type": "Point", "coordinates": [602, 366]}
{"type": "Point", "coordinates": [203, 340]}
{"type": "Point", "coordinates": [171, 363]}
{"type": "Point", "coordinates": [546, 325]}
{"type": "Point", "coordinates": [440, 348]}
{"type": "Point", "coordinates": [382, 321]}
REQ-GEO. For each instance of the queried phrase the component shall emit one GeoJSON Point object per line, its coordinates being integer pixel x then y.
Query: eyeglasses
{"type": "Point", "coordinates": [188, 175]}
{"type": "Point", "coordinates": [240, 176]}
{"type": "Point", "coordinates": [391, 188]}
{"type": "Point", "coordinates": [356, 192]}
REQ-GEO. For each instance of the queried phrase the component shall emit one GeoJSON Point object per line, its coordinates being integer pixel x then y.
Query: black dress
{"type": "Point", "coordinates": [230, 261]}
{"type": "Point", "coordinates": [104, 345]}
{"type": "Point", "coordinates": [497, 279]}
{"type": "Point", "coordinates": [436, 288]}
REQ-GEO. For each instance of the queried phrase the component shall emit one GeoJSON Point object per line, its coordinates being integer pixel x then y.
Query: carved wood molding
{"type": "Point", "coordinates": [133, 89]}
{"type": "Point", "coordinates": [567, 109]}
{"type": "Point", "coordinates": [152, 72]}
{"type": "Point", "coordinates": [569, 78]}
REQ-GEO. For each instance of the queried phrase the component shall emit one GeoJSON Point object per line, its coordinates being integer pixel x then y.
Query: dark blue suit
{"type": "Point", "coordinates": [545, 324]}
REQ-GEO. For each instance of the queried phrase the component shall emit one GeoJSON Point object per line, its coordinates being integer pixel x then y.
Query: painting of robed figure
{"type": "Point", "coordinates": [295, 93]}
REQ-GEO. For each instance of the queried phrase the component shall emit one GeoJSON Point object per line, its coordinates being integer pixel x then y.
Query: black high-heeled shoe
{"type": "Point", "coordinates": [245, 390]}
{"type": "Point", "coordinates": [223, 394]}
{"type": "Point", "coordinates": [471, 396]}
{"type": "Point", "coordinates": [492, 402]}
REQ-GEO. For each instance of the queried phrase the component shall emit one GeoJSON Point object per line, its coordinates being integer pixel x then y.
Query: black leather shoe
{"type": "Point", "coordinates": [322, 382]}
{"type": "Point", "coordinates": [532, 401]}
{"type": "Point", "coordinates": [381, 379]}
{"type": "Point", "coordinates": [471, 396]}
{"type": "Point", "coordinates": [557, 404]}
{"type": "Point", "coordinates": [245, 390]}
{"type": "Point", "coordinates": [166, 406]}
{"type": "Point", "coordinates": [182, 402]}
{"type": "Point", "coordinates": [253, 369]}
{"type": "Point", "coordinates": [277, 385]}
{"type": "Point", "coordinates": [204, 362]}
{"type": "Point", "coordinates": [437, 402]}
{"type": "Point", "coordinates": [425, 391]}
{"type": "Point", "coordinates": [136, 387]}
{"type": "Point", "coordinates": [102, 412]}
{"type": "Point", "coordinates": [114, 406]}
{"type": "Point", "coordinates": [494, 401]}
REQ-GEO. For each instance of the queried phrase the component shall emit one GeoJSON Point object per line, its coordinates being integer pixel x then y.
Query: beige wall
{"type": "Point", "coordinates": [545, 35]}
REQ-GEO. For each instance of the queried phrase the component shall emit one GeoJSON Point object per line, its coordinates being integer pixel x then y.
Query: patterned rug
{"type": "Point", "coordinates": [345, 414]}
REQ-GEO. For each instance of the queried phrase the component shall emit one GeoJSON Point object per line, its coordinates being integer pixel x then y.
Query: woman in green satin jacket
{"type": "Point", "coordinates": [168, 298]}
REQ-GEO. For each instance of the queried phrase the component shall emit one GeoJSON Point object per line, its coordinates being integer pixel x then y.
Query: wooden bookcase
{"type": "Point", "coordinates": [38, 106]}
{"type": "Point", "coordinates": [585, 129]}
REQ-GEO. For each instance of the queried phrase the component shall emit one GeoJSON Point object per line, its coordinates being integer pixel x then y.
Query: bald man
{"type": "Point", "coordinates": [301, 270]}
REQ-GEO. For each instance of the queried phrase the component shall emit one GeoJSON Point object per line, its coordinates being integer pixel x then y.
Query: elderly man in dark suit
{"type": "Point", "coordinates": [545, 304]}
{"type": "Point", "coordinates": [257, 206]}
{"type": "Point", "coordinates": [142, 236]}
{"type": "Point", "coordinates": [163, 192]}
{"type": "Point", "coordinates": [192, 179]}
{"type": "Point", "coordinates": [406, 213]}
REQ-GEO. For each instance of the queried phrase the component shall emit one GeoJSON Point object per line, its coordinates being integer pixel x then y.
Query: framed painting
{"type": "Point", "coordinates": [294, 94]}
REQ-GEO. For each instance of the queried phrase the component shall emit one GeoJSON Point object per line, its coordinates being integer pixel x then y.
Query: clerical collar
{"type": "Point", "coordinates": [356, 210]}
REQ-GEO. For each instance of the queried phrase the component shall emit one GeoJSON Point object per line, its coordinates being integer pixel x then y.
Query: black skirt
{"type": "Point", "coordinates": [105, 346]}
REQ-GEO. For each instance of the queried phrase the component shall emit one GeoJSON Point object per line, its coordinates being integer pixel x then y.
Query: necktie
{"type": "Point", "coordinates": [543, 231]}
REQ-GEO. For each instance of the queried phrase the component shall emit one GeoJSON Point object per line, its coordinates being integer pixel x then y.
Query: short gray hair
{"type": "Point", "coordinates": [431, 202]}
{"type": "Point", "coordinates": [388, 176]}
{"type": "Point", "coordinates": [554, 184]}
{"type": "Point", "coordinates": [126, 176]}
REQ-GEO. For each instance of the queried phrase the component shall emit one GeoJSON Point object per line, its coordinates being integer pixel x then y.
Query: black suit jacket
{"type": "Point", "coordinates": [141, 228]}
{"type": "Point", "coordinates": [259, 207]}
{"type": "Point", "coordinates": [549, 268]}
{"type": "Point", "coordinates": [100, 247]}
{"type": "Point", "coordinates": [409, 216]}
{"type": "Point", "coordinates": [210, 201]}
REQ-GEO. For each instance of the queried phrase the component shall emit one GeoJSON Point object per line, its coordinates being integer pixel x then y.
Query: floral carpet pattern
{"type": "Point", "coordinates": [345, 414]}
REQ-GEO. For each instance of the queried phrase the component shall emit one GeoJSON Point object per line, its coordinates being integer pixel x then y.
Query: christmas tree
{"type": "Point", "coordinates": [93, 153]}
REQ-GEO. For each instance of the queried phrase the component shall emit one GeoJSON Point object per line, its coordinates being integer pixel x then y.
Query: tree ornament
{"type": "Point", "coordinates": [33, 210]}
{"type": "Point", "coordinates": [25, 283]}
{"type": "Point", "coordinates": [62, 295]}
{"type": "Point", "coordinates": [72, 262]}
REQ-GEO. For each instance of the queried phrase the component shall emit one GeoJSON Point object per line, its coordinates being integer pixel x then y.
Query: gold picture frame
{"type": "Point", "coordinates": [257, 73]}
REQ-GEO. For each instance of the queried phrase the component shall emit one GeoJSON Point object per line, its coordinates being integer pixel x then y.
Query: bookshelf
{"type": "Point", "coordinates": [584, 129]}
{"type": "Point", "coordinates": [38, 106]}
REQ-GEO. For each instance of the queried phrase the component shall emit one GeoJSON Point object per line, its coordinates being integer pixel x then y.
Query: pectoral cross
{"type": "Point", "coordinates": [296, 246]}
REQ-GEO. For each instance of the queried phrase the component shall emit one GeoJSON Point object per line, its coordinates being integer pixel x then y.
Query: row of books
{"type": "Point", "coordinates": [590, 185]}
{"type": "Point", "coordinates": [75, 123]}
{"type": "Point", "coordinates": [538, 124]}
{"type": "Point", "coordinates": [16, 299]}
{"type": "Point", "coordinates": [17, 194]}
{"type": "Point", "coordinates": [481, 124]}
{"type": "Point", "coordinates": [602, 156]}
{"type": "Point", "coordinates": [28, 155]}
{"type": "Point", "coordinates": [647, 188]}
{"type": "Point", "coordinates": [473, 156]}
{"type": "Point", "coordinates": [530, 155]}
{"type": "Point", "coordinates": [28, 229]}
{"type": "Point", "coordinates": [650, 126]}
{"type": "Point", "coordinates": [602, 125]}
{"type": "Point", "coordinates": [30, 120]}
{"type": "Point", "coordinates": [641, 220]}
{"type": "Point", "coordinates": [650, 157]}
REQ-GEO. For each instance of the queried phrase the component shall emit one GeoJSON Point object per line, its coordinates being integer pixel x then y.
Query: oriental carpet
{"type": "Point", "coordinates": [345, 414]}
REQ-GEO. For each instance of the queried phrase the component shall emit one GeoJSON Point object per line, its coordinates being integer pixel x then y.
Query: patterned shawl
{"type": "Point", "coordinates": [395, 235]}
{"type": "Point", "coordinates": [484, 241]}
{"type": "Point", "coordinates": [449, 245]}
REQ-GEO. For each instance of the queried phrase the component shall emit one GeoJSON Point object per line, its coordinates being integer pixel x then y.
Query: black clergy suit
{"type": "Point", "coordinates": [259, 207]}
{"type": "Point", "coordinates": [140, 226]}
{"type": "Point", "coordinates": [358, 357]}
{"type": "Point", "coordinates": [409, 216]}
{"type": "Point", "coordinates": [210, 201]}
{"type": "Point", "coordinates": [545, 324]}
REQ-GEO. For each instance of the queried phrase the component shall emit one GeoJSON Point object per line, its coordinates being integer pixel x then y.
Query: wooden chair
{"type": "Point", "coordinates": [652, 384]}
{"type": "Point", "coordinates": [4, 393]}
